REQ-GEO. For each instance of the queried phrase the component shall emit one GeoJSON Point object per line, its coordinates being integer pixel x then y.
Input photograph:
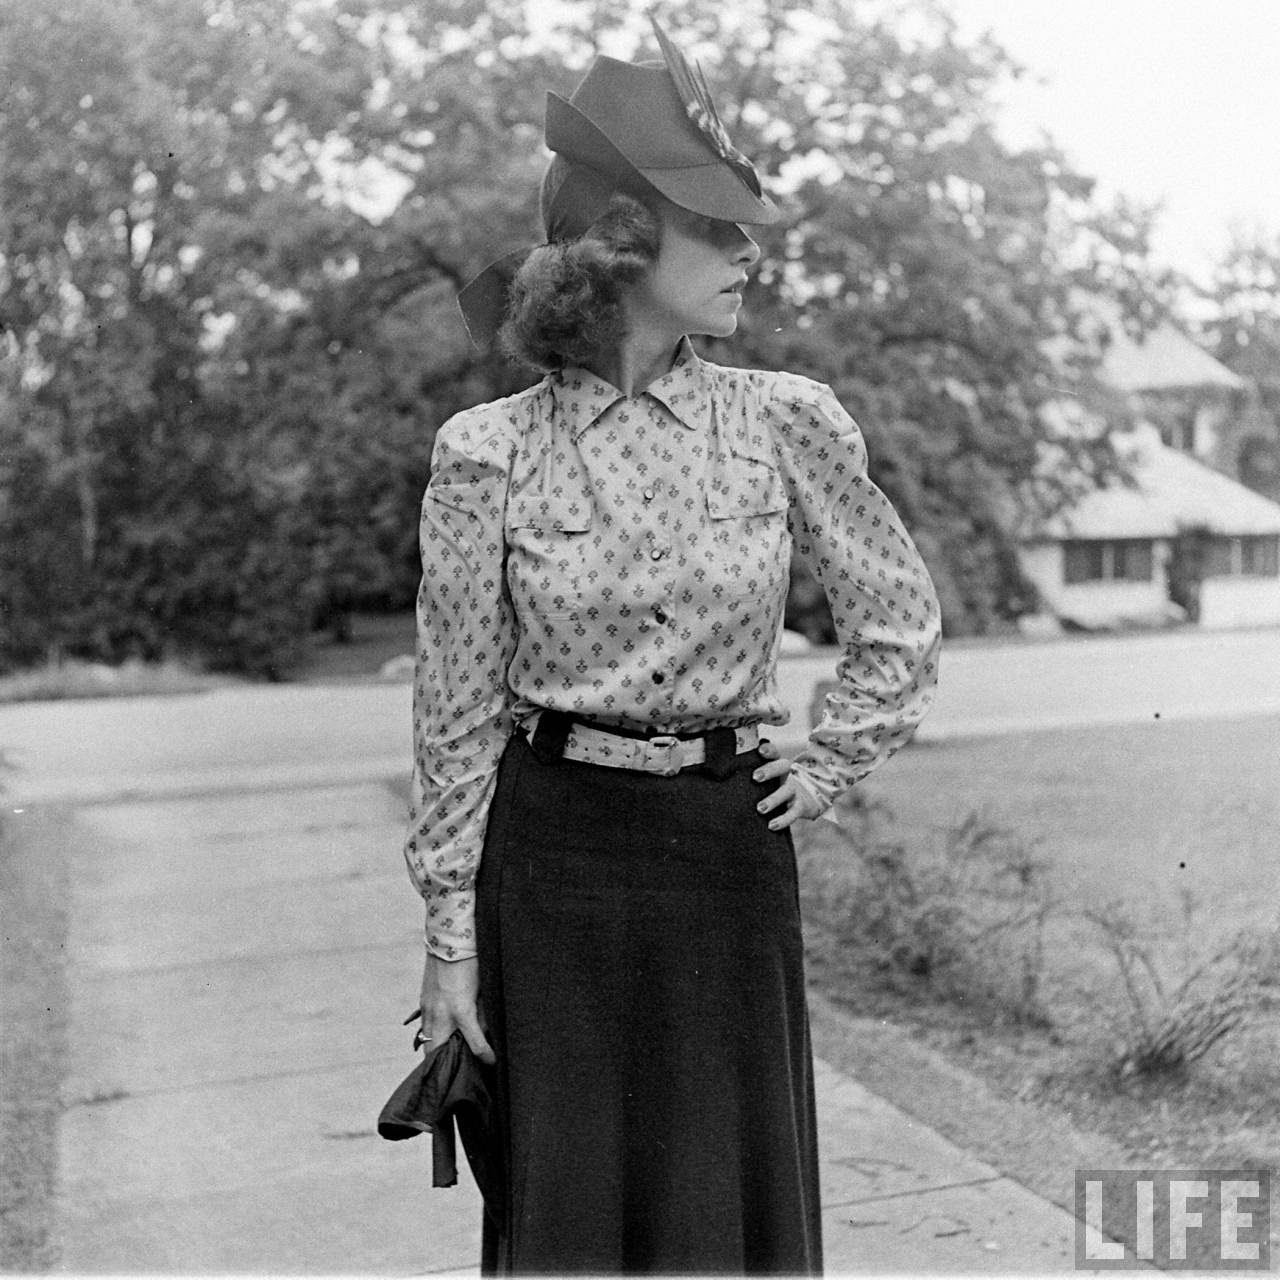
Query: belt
{"type": "Point", "coordinates": [663, 754]}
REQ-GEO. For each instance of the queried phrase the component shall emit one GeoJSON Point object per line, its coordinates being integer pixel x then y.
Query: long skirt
{"type": "Point", "coordinates": [642, 983]}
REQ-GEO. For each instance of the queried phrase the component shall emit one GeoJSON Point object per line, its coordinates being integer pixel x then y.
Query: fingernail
{"type": "Point", "coordinates": [757, 777]}
{"type": "Point", "coordinates": [762, 807]}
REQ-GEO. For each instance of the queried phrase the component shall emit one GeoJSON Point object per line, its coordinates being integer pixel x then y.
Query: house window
{"type": "Point", "coordinates": [1178, 430]}
{"type": "Point", "coordinates": [1107, 560]}
{"type": "Point", "coordinates": [1245, 557]}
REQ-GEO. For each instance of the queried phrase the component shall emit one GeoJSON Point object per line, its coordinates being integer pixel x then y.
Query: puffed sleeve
{"type": "Point", "coordinates": [461, 700]}
{"type": "Point", "coordinates": [882, 601]}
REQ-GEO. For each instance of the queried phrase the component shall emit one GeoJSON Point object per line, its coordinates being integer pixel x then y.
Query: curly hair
{"type": "Point", "coordinates": [565, 302]}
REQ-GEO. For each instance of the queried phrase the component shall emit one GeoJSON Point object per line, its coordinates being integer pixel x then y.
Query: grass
{"type": "Point", "coordinates": [1152, 818]}
{"type": "Point", "coordinates": [1148, 812]}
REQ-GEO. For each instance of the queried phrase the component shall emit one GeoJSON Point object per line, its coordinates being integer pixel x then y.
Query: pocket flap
{"type": "Point", "coordinates": [743, 486]}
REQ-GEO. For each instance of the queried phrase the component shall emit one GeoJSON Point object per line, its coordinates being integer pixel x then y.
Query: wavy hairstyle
{"type": "Point", "coordinates": [565, 302]}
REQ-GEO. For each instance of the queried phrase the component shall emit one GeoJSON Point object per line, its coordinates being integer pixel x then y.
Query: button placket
{"type": "Point", "coordinates": [657, 550]}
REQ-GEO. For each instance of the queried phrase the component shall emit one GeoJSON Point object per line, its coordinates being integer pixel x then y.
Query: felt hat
{"type": "Point", "coordinates": [639, 128]}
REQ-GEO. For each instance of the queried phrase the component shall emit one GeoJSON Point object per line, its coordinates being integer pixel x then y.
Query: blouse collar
{"type": "Point", "coordinates": [583, 397]}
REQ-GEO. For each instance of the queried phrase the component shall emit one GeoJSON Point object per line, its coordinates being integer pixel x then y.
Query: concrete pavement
{"type": "Point", "coordinates": [238, 965]}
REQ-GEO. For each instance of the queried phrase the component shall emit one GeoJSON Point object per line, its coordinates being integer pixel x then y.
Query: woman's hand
{"type": "Point", "coordinates": [798, 801]}
{"type": "Point", "coordinates": [449, 992]}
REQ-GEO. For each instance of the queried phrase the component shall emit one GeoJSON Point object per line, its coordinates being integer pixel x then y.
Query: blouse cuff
{"type": "Point", "coordinates": [463, 951]}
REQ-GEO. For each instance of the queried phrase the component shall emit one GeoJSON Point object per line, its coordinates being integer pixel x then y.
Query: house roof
{"type": "Point", "coordinates": [1171, 491]}
{"type": "Point", "coordinates": [1165, 360]}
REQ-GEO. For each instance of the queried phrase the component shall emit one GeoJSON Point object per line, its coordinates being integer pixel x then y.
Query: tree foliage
{"type": "Point", "coordinates": [231, 232]}
{"type": "Point", "coordinates": [1245, 335]}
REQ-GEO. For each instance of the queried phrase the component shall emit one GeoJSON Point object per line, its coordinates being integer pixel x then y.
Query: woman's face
{"type": "Point", "coordinates": [695, 286]}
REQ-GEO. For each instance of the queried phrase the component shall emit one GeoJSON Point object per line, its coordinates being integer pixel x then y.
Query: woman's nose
{"type": "Point", "coordinates": [746, 251]}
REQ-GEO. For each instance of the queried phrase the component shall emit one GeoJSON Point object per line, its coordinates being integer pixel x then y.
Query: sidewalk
{"type": "Point", "coordinates": [239, 961]}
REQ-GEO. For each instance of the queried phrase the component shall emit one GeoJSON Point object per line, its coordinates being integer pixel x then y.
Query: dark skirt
{"type": "Point", "coordinates": [642, 982]}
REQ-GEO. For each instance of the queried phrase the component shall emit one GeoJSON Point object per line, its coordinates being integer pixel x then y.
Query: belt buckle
{"type": "Point", "coordinates": [669, 766]}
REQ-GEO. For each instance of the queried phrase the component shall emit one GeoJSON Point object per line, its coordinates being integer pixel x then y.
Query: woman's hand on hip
{"type": "Point", "coordinates": [450, 989]}
{"type": "Point", "coordinates": [789, 801]}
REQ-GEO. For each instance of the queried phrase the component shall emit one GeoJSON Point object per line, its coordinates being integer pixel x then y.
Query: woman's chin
{"type": "Point", "coordinates": [720, 327]}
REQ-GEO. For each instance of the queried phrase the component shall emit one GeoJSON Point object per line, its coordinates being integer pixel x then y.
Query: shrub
{"type": "Point", "coordinates": [208, 560]}
{"type": "Point", "coordinates": [1179, 1009]}
{"type": "Point", "coordinates": [966, 918]}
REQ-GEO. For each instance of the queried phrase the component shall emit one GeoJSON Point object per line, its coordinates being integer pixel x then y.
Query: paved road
{"type": "Point", "coordinates": [225, 738]}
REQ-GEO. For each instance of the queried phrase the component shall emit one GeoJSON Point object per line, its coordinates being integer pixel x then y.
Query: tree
{"type": "Point", "coordinates": [1245, 336]}
{"type": "Point", "coordinates": [231, 235]}
{"type": "Point", "coordinates": [135, 135]}
{"type": "Point", "coordinates": [926, 269]}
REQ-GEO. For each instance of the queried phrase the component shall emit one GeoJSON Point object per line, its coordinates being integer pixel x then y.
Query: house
{"type": "Point", "coordinates": [1183, 539]}
{"type": "Point", "coordinates": [1191, 399]}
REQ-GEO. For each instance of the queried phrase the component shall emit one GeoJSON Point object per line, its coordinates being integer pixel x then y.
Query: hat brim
{"type": "Point", "coordinates": [712, 190]}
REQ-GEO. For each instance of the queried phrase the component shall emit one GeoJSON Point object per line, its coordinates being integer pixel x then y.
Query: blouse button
{"type": "Point", "coordinates": [647, 493]}
{"type": "Point", "coordinates": [658, 677]}
{"type": "Point", "coordinates": [659, 617]}
{"type": "Point", "coordinates": [657, 553]}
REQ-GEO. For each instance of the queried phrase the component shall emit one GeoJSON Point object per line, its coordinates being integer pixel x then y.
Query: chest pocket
{"type": "Point", "coordinates": [549, 556]}
{"type": "Point", "coordinates": [747, 505]}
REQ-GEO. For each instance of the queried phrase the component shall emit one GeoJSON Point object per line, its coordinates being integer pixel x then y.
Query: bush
{"type": "Point", "coordinates": [204, 558]}
{"type": "Point", "coordinates": [967, 919]}
{"type": "Point", "coordinates": [1180, 1008]}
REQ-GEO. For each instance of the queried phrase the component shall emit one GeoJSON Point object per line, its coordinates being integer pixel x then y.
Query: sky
{"type": "Point", "coordinates": [1176, 101]}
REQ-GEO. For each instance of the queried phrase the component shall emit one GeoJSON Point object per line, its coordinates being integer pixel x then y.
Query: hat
{"type": "Point", "coordinates": [635, 127]}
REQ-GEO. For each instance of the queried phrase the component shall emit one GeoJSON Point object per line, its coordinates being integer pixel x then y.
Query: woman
{"type": "Point", "coordinates": [601, 835]}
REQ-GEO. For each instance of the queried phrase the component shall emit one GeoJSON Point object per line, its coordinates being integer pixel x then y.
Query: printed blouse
{"type": "Point", "coordinates": [626, 559]}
